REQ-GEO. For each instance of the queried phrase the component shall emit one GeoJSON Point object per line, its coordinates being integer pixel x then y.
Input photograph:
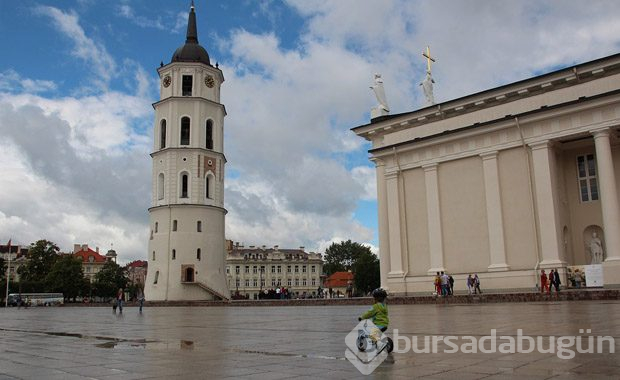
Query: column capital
{"type": "Point", "coordinates": [601, 132]}
{"type": "Point", "coordinates": [391, 174]}
{"type": "Point", "coordinates": [545, 144]}
{"type": "Point", "coordinates": [489, 155]}
{"type": "Point", "coordinates": [430, 167]}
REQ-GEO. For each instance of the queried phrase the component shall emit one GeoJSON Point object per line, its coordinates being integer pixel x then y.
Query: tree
{"type": "Point", "coordinates": [367, 273]}
{"type": "Point", "coordinates": [3, 268]}
{"type": "Point", "coordinates": [109, 279]}
{"type": "Point", "coordinates": [41, 257]}
{"type": "Point", "coordinates": [66, 277]}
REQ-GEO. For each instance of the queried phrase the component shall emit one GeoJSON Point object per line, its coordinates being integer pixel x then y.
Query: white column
{"type": "Point", "coordinates": [609, 195]}
{"type": "Point", "coordinates": [393, 216]}
{"type": "Point", "coordinates": [543, 161]}
{"type": "Point", "coordinates": [384, 243]}
{"type": "Point", "coordinates": [433, 212]}
{"type": "Point", "coordinates": [497, 248]}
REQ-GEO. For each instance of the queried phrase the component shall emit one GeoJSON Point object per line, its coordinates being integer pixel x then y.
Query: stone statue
{"type": "Point", "coordinates": [596, 249]}
{"type": "Point", "coordinates": [382, 108]}
{"type": "Point", "coordinates": [427, 87]}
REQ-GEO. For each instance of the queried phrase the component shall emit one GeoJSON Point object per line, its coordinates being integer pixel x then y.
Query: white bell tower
{"type": "Point", "coordinates": [186, 257]}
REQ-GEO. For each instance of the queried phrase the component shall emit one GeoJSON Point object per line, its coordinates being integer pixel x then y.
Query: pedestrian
{"type": "Point", "coordinates": [437, 284]}
{"type": "Point", "coordinates": [544, 285]}
{"type": "Point", "coordinates": [477, 284]}
{"type": "Point", "coordinates": [578, 279]}
{"type": "Point", "coordinates": [140, 297]}
{"type": "Point", "coordinates": [445, 283]}
{"type": "Point", "coordinates": [470, 284]}
{"type": "Point", "coordinates": [451, 283]}
{"type": "Point", "coordinates": [120, 297]}
{"type": "Point", "coordinates": [556, 281]}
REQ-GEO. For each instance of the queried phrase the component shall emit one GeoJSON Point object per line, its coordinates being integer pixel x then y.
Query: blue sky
{"type": "Point", "coordinates": [77, 79]}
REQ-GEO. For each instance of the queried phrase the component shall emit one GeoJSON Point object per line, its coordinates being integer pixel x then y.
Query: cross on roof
{"type": "Point", "coordinates": [427, 54]}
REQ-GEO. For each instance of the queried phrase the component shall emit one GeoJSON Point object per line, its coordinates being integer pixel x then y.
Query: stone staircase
{"type": "Point", "coordinates": [215, 293]}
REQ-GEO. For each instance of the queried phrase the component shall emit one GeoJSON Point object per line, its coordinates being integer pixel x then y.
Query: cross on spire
{"type": "Point", "coordinates": [429, 59]}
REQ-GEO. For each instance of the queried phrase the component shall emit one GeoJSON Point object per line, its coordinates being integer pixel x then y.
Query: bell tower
{"type": "Point", "coordinates": [186, 254]}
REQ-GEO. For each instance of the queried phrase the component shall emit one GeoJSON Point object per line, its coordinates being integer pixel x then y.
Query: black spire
{"type": "Point", "coordinates": [192, 31]}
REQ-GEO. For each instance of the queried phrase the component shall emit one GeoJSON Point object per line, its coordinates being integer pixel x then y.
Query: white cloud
{"type": "Point", "coordinates": [126, 11]}
{"type": "Point", "coordinates": [94, 54]}
{"type": "Point", "coordinates": [11, 81]}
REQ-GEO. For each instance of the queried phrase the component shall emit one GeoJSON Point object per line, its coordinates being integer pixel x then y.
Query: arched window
{"type": "Point", "coordinates": [209, 181]}
{"type": "Point", "coordinates": [153, 255]}
{"type": "Point", "coordinates": [162, 134]}
{"type": "Point", "coordinates": [174, 225]}
{"type": "Point", "coordinates": [198, 254]}
{"type": "Point", "coordinates": [185, 123]}
{"type": "Point", "coordinates": [156, 277]}
{"type": "Point", "coordinates": [156, 227]}
{"type": "Point", "coordinates": [199, 226]}
{"type": "Point", "coordinates": [184, 185]}
{"type": "Point", "coordinates": [160, 186]}
{"type": "Point", "coordinates": [174, 254]}
{"type": "Point", "coordinates": [209, 134]}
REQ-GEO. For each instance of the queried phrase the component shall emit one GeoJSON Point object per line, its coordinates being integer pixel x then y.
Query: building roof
{"type": "Point", "coordinates": [137, 264]}
{"type": "Point", "coordinates": [85, 254]}
{"type": "Point", "coordinates": [339, 279]}
{"type": "Point", "coordinates": [264, 253]}
{"type": "Point", "coordinates": [191, 51]}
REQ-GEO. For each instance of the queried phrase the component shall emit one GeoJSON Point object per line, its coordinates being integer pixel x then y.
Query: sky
{"type": "Point", "coordinates": [78, 79]}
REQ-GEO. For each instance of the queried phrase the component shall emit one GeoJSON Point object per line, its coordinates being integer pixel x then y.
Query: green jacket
{"type": "Point", "coordinates": [378, 314]}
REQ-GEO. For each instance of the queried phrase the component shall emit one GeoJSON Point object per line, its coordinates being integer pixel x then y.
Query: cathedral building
{"type": "Point", "coordinates": [186, 254]}
{"type": "Point", "coordinates": [503, 183]}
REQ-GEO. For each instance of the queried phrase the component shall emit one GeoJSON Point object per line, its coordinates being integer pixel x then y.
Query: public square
{"type": "Point", "coordinates": [296, 342]}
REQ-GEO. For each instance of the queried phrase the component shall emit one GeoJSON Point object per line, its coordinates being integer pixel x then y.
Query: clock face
{"type": "Point", "coordinates": [209, 81]}
{"type": "Point", "coordinates": [167, 80]}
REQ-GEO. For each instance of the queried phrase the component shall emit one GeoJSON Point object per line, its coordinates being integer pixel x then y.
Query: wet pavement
{"type": "Point", "coordinates": [299, 342]}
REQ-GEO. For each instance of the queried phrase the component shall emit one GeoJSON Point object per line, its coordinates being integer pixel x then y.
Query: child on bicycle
{"type": "Point", "coordinates": [378, 314]}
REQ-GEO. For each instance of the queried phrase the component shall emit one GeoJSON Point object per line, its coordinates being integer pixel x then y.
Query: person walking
{"type": "Point", "coordinates": [140, 297]}
{"type": "Point", "coordinates": [437, 283]}
{"type": "Point", "coordinates": [445, 284]}
{"type": "Point", "coordinates": [556, 281]}
{"type": "Point", "coordinates": [470, 284]}
{"type": "Point", "coordinates": [578, 278]}
{"type": "Point", "coordinates": [544, 285]}
{"type": "Point", "coordinates": [451, 284]}
{"type": "Point", "coordinates": [120, 297]}
{"type": "Point", "coordinates": [477, 284]}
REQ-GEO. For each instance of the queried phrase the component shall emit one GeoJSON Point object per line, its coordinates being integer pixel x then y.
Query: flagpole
{"type": "Point", "coordinates": [8, 277]}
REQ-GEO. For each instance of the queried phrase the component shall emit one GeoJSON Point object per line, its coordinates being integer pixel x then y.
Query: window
{"type": "Point", "coordinates": [237, 282]}
{"type": "Point", "coordinates": [174, 254]}
{"type": "Point", "coordinates": [262, 269]}
{"type": "Point", "coordinates": [303, 269]}
{"type": "Point", "coordinates": [586, 175]}
{"type": "Point", "coordinates": [288, 282]}
{"type": "Point", "coordinates": [185, 127]}
{"type": "Point", "coordinates": [255, 282]}
{"type": "Point", "coordinates": [296, 282]}
{"type": "Point", "coordinates": [313, 269]}
{"type": "Point", "coordinates": [153, 255]}
{"type": "Point", "coordinates": [184, 185]}
{"type": "Point", "coordinates": [273, 282]}
{"type": "Point", "coordinates": [174, 225]}
{"type": "Point", "coordinates": [160, 186]}
{"type": "Point", "coordinates": [198, 254]}
{"type": "Point", "coordinates": [208, 181]}
{"type": "Point", "coordinates": [199, 226]}
{"type": "Point", "coordinates": [262, 283]}
{"type": "Point", "coordinates": [227, 270]}
{"type": "Point", "coordinates": [247, 282]}
{"type": "Point", "coordinates": [279, 269]}
{"type": "Point", "coordinates": [156, 226]}
{"type": "Point", "coordinates": [237, 270]}
{"type": "Point", "coordinates": [162, 134]}
{"type": "Point", "coordinates": [288, 268]}
{"type": "Point", "coordinates": [254, 269]}
{"type": "Point", "coordinates": [313, 281]}
{"type": "Point", "coordinates": [303, 282]}
{"type": "Point", "coordinates": [247, 269]}
{"type": "Point", "coordinates": [209, 134]}
{"type": "Point", "coordinates": [187, 85]}
{"type": "Point", "coordinates": [296, 268]}
{"type": "Point", "coordinates": [156, 277]}
{"type": "Point", "coordinates": [273, 269]}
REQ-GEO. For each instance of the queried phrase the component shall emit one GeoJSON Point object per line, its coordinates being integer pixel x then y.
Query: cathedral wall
{"type": "Point", "coordinates": [517, 211]}
{"type": "Point", "coordinates": [417, 224]}
{"type": "Point", "coordinates": [463, 216]}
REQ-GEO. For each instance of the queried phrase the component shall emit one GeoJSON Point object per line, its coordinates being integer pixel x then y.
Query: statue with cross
{"type": "Point", "coordinates": [427, 83]}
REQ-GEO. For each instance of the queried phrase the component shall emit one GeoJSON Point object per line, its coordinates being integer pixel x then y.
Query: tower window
{"type": "Point", "coordinates": [160, 186]}
{"type": "Point", "coordinates": [209, 135]}
{"type": "Point", "coordinates": [156, 277]}
{"type": "Point", "coordinates": [174, 254]}
{"type": "Point", "coordinates": [208, 184]}
{"type": "Point", "coordinates": [153, 255]}
{"type": "Point", "coordinates": [184, 185]}
{"type": "Point", "coordinates": [199, 226]}
{"type": "Point", "coordinates": [187, 85]}
{"type": "Point", "coordinates": [174, 225]}
{"type": "Point", "coordinates": [198, 254]}
{"type": "Point", "coordinates": [162, 134]}
{"type": "Point", "coordinates": [586, 175]}
{"type": "Point", "coordinates": [156, 226]}
{"type": "Point", "coordinates": [185, 127]}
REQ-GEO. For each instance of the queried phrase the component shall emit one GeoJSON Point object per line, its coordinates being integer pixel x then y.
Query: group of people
{"type": "Point", "coordinates": [279, 293]}
{"type": "Point", "coordinates": [547, 282]}
{"type": "Point", "coordinates": [444, 284]}
{"type": "Point", "coordinates": [120, 298]}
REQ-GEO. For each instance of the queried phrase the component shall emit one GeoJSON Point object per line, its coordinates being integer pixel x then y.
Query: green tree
{"type": "Point", "coordinates": [367, 274]}
{"type": "Point", "coordinates": [41, 257]}
{"type": "Point", "coordinates": [66, 277]}
{"type": "Point", "coordinates": [109, 279]}
{"type": "Point", "coordinates": [339, 257]}
{"type": "Point", "coordinates": [3, 268]}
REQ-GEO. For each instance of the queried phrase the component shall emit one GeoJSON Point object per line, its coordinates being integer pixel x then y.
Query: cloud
{"type": "Point", "coordinates": [11, 81]}
{"type": "Point", "coordinates": [127, 12]}
{"type": "Point", "coordinates": [94, 54]}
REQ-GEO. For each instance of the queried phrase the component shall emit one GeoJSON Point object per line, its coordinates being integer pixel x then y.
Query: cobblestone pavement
{"type": "Point", "coordinates": [294, 342]}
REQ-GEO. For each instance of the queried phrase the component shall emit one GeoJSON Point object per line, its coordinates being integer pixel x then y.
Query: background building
{"type": "Point", "coordinates": [136, 272]}
{"type": "Point", "coordinates": [92, 261]}
{"type": "Point", "coordinates": [338, 283]}
{"type": "Point", "coordinates": [502, 183]}
{"type": "Point", "coordinates": [18, 255]}
{"type": "Point", "coordinates": [252, 270]}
